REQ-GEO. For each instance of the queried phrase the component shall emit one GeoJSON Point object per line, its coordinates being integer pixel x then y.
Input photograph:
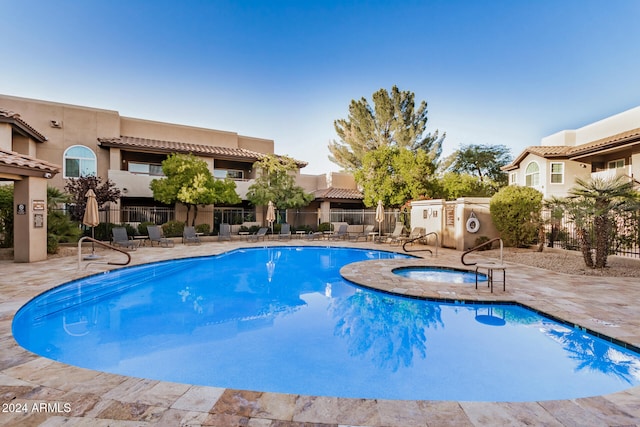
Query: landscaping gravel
{"type": "Point", "coordinates": [569, 262]}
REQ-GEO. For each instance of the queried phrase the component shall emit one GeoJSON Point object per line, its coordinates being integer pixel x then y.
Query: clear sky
{"type": "Point", "coordinates": [492, 72]}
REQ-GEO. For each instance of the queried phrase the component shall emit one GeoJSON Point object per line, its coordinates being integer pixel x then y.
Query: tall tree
{"type": "Point", "coordinates": [598, 200]}
{"type": "Point", "coordinates": [392, 120]}
{"type": "Point", "coordinates": [482, 161]}
{"type": "Point", "coordinates": [394, 175]}
{"type": "Point", "coordinates": [276, 183]}
{"type": "Point", "coordinates": [189, 181]}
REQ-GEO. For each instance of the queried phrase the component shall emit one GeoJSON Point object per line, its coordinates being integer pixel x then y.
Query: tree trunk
{"type": "Point", "coordinates": [601, 226]}
{"type": "Point", "coordinates": [541, 238]}
{"type": "Point", "coordinates": [585, 247]}
{"type": "Point", "coordinates": [195, 214]}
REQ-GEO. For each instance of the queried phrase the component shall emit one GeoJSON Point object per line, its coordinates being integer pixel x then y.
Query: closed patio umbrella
{"type": "Point", "coordinates": [91, 219]}
{"type": "Point", "coordinates": [379, 216]}
{"type": "Point", "coordinates": [271, 214]}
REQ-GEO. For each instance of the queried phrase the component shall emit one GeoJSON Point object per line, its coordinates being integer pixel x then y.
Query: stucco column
{"type": "Point", "coordinates": [30, 220]}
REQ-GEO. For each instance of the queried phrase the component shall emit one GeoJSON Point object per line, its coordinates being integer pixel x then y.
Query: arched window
{"type": "Point", "coordinates": [79, 161]}
{"type": "Point", "coordinates": [532, 175]}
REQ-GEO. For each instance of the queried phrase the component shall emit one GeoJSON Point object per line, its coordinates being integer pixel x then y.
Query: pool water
{"type": "Point", "coordinates": [282, 319]}
{"type": "Point", "coordinates": [439, 274]}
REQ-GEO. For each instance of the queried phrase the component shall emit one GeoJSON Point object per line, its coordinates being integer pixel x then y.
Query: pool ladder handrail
{"type": "Point", "coordinates": [423, 236]}
{"type": "Point", "coordinates": [105, 245]}
{"type": "Point", "coordinates": [489, 242]}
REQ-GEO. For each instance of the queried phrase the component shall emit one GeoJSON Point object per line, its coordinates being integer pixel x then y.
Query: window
{"type": "Point", "coordinates": [557, 173]}
{"type": "Point", "coordinates": [532, 175]}
{"type": "Point", "coordinates": [228, 173]}
{"type": "Point", "coordinates": [79, 161]}
{"type": "Point", "coordinates": [145, 169]}
{"type": "Point", "coordinates": [513, 178]}
{"type": "Point", "coordinates": [615, 164]}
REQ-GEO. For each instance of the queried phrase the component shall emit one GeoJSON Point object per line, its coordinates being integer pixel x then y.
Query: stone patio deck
{"type": "Point", "coordinates": [57, 394]}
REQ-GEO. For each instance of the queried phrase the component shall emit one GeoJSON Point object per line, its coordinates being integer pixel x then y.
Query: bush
{"type": "Point", "coordinates": [142, 228]}
{"type": "Point", "coordinates": [480, 240]}
{"type": "Point", "coordinates": [173, 228]}
{"type": "Point", "coordinates": [61, 226]}
{"type": "Point", "coordinates": [52, 243]}
{"type": "Point", "coordinates": [325, 226]}
{"type": "Point", "coordinates": [203, 228]}
{"type": "Point", "coordinates": [515, 211]}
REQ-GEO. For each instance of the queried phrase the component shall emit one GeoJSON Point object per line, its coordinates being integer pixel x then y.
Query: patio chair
{"type": "Point", "coordinates": [395, 236]}
{"type": "Point", "coordinates": [365, 234]}
{"type": "Point", "coordinates": [258, 235]}
{"type": "Point", "coordinates": [189, 235]}
{"type": "Point", "coordinates": [121, 238]}
{"type": "Point", "coordinates": [314, 235]}
{"type": "Point", "coordinates": [155, 235]}
{"type": "Point", "coordinates": [341, 234]}
{"type": "Point", "coordinates": [415, 233]}
{"type": "Point", "coordinates": [225, 232]}
{"type": "Point", "coordinates": [285, 232]}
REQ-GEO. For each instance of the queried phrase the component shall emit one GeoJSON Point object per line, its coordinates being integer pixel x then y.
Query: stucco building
{"type": "Point", "coordinates": [608, 147]}
{"type": "Point", "coordinates": [61, 141]}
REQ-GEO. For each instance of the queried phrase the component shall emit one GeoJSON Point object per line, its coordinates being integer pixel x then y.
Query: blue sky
{"type": "Point", "coordinates": [492, 72]}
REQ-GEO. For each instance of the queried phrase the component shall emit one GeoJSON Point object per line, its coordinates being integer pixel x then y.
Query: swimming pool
{"type": "Point", "coordinates": [282, 319]}
{"type": "Point", "coordinates": [439, 274]}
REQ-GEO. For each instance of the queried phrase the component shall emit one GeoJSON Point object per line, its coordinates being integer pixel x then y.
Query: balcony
{"type": "Point", "coordinates": [612, 173]}
{"type": "Point", "coordinates": [137, 185]}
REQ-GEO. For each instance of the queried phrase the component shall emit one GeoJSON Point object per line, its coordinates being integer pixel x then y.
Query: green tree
{"type": "Point", "coordinates": [599, 201]}
{"type": "Point", "coordinates": [452, 185]}
{"type": "Point", "coordinates": [481, 161]}
{"type": "Point", "coordinates": [516, 213]}
{"type": "Point", "coordinates": [276, 183]}
{"type": "Point", "coordinates": [394, 175]}
{"type": "Point", "coordinates": [392, 120]}
{"type": "Point", "coordinates": [189, 181]}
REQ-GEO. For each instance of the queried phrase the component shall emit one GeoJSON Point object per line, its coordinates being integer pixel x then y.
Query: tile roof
{"type": "Point", "coordinates": [338, 193]}
{"type": "Point", "coordinates": [185, 147]}
{"type": "Point", "coordinates": [555, 151]}
{"type": "Point", "coordinates": [608, 142]}
{"type": "Point", "coordinates": [8, 116]}
{"type": "Point", "coordinates": [22, 161]}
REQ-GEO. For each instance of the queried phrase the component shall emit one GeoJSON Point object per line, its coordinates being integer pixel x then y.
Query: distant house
{"type": "Point", "coordinates": [608, 147]}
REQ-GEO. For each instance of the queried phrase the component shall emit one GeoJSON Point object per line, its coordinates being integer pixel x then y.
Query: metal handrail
{"type": "Point", "coordinates": [91, 239]}
{"type": "Point", "coordinates": [422, 237]}
{"type": "Point", "coordinates": [478, 247]}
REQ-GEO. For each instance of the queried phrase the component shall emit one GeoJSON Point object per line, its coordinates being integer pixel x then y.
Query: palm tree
{"type": "Point", "coordinates": [600, 199]}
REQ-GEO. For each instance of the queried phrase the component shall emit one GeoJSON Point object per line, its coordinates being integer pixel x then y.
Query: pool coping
{"type": "Point", "coordinates": [104, 398]}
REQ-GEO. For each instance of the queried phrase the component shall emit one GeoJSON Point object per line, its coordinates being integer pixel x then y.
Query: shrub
{"type": "Point", "coordinates": [142, 228]}
{"type": "Point", "coordinates": [61, 226]}
{"type": "Point", "coordinates": [52, 243]}
{"type": "Point", "coordinates": [480, 240]}
{"type": "Point", "coordinates": [515, 211]}
{"type": "Point", "coordinates": [325, 226]}
{"type": "Point", "coordinates": [173, 228]}
{"type": "Point", "coordinates": [203, 228]}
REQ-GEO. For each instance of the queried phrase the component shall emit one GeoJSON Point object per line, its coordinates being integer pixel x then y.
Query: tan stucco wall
{"type": "Point", "coordinates": [572, 170]}
{"type": "Point", "coordinates": [30, 240]}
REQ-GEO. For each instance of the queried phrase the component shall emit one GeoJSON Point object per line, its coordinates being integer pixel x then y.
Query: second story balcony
{"type": "Point", "coordinates": [137, 185]}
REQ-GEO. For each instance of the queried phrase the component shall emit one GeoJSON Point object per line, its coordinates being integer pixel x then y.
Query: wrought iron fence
{"type": "Point", "coordinates": [562, 232]}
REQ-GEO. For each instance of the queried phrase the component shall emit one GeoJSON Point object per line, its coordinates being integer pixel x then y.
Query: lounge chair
{"type": "Point", "coordinates": [364, 235]}
{"type": "Point", "coordinates": [285, 232]}
{"type": "Point", "coordinates": [341, 234]}
{"type": "Point", "coordinates": [225, 232]}
{"type": "Point", "coordinates": [121, 238]}
{"type": "Point", "coordinates": [258, 235]}
{"type": "Point", "coordinates": [394, 237]}
{"type": "Point", "coordinates": [415, 233]}
{"type": "Point", "coordinates": [189, 235]}
{"type": "Point", "coordinates": [313, 235]}
{"type": "Point", "coordinates": [155, 235]}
